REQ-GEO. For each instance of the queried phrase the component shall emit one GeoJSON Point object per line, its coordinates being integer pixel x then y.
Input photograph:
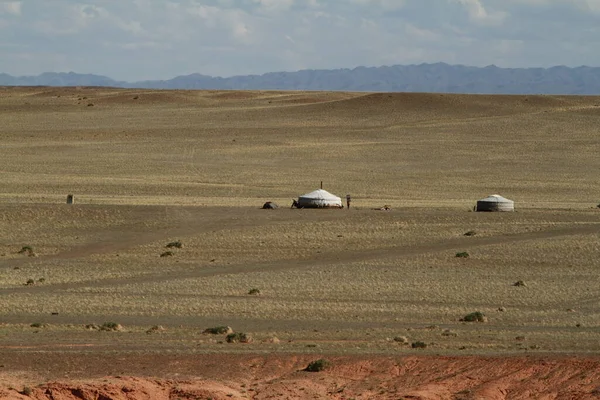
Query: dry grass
{"type": "Point", "coordinates": [197, 166]}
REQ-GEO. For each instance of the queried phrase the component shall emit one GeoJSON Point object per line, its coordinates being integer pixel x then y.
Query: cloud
{"type": "Point", "coordinates": [151, 39]}
{"type": "Point", "coordinates": [10, 7]}
{"type": "Point", "coordinates": [274, 5]}
{"type": "Point", "coordinates": [478, 13]}
{"type": "Point", "coordinates": [382, 4]}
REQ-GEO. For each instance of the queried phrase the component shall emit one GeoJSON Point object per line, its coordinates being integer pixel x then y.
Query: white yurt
{"type": "Point", "coordinates": [319, 199]}
{"type": "Point", "coordinates": [495, 202]}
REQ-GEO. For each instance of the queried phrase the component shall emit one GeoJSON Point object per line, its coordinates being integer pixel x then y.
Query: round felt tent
{"type": "Point", "coordinates": [318, 199]}
{"type": "Point", "coordinates": [495, 202]}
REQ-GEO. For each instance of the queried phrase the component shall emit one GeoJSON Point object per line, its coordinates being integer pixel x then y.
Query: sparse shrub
{"type": "Point", "coordinates": [25, 249]}
{"type": "Point", "coordinates": [155, 329]}
{"type": "Point", "coordinates": [254, 291]}
{"type": "Point", "coordinates": [110, 326]}
{"type": "Point", "coordinates": [218, 330]}
{"type": "Point", "coordinates": [177, 244]}
{"type": "Point", "coordinates": [37, 325]}
{"type": "Point", "coordinates": [474, 317]}
{"type": "Point", "coordinates": [27, 391]}
{"type": "Point", "coordinates": [42, 280]}
{"type": "Point", "coordinates": [401, 339]}
{"type": "Point", "coordinates": [29, 282]}
{"type": "Point", "coordinates": [136, 97]}
{"type": "Point", "coordinates": [238, 337]}
{"type": "Point", "coordinates": [318, 365]}
{"type": "Point", "coordinates": [92, 327]}
{"type": "Point", "coordinates": [470, 233]}
{"type": "Point", "coordinates": [167, 254]}
{"type": "Point", "coordinates": [520, 284]}
{"type": "Point", "coordinates": [462, 254]}
{"type": "Point", "coordinates": [418, 345]}
{"type": "Point", "coordinates": [90, 105]}
{"type": "Point", "coordinates": [449, 333]}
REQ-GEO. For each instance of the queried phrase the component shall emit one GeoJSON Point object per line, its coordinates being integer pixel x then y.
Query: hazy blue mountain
{"type": "Point", "coordinates": [438, 77]}
{"type": "Point", "coordinates": [59, 79]}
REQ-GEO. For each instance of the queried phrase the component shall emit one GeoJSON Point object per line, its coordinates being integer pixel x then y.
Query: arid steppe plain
{"type": "Point", "coordinates": [355, 286]}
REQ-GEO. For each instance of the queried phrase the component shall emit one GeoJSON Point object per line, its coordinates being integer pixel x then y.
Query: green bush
{"type": "Point", "coordinates": [418, 345]}
{"type": "Point", "coordinates": [238, 337]}
{"type": "Point", "coordinates": [37, 325]}
{"type": "Point", "coordinates": [110, 326]}
{"type": "Point", "coordinates": [474, 317]}
{"type": "Point", "coordinates": [29, 282]}
{"type": "Point", "coordinates": [219, 330]}
{"type": "Point", "coordinates": [318, 365]}
{"type": "Point", "coordinates": [470, 233]}
{"type": "Point", "coordinates": [254, 291]}
{"type": "Point", "coordinates": [167, 254]}
{"type": "Point", "coordinates": [26, 249]}
{"type": "Point", "coordinates": [462, 254]}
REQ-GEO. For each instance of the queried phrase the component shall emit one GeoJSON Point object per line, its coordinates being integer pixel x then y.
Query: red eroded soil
{"type": "Point", "coordinates": [352, 377]}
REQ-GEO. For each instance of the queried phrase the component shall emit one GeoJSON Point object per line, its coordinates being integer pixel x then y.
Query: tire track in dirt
{"type": "Point", "coordinates": [484, 118]}
{"type": "Point", "coordinates": [183, 222]}
{"type": "Point", "coordinates": [319, 259]}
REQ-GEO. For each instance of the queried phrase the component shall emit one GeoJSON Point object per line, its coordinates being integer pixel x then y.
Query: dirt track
{"type": "Point", "coordinates": [255, 218]}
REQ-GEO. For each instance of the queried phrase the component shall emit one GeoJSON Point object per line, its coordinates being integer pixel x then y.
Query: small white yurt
{"type": "Point", "coordinates": [495, 202]}
{"type": "Point", "coordinates": [319, 199]}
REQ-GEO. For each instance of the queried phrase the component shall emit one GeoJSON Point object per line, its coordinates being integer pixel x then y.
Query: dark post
{"type": "Point", "coordinates": [321, 184]}
{"type": "Point", "coordinates": [348, 199]}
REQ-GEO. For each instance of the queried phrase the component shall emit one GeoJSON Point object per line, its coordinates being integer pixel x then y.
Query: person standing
{"type": "Point", "coordinates": [348, 199]}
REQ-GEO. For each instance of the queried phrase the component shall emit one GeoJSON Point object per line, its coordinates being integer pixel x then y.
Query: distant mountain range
{"type": "Point", "coordinates": [438, 77]}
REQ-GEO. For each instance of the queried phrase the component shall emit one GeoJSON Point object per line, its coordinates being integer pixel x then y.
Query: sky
{"type": "Point", "coordinates": [159, 39]}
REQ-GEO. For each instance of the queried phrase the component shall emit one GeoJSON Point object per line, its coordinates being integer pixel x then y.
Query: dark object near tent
{"type": "Point", "coordinates": [269, 205]}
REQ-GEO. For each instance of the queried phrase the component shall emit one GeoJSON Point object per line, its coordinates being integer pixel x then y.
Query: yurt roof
{"type": "Point", "coordinates": [320, 194]}
{"type": "Point", "coordinates": [496, 198]}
